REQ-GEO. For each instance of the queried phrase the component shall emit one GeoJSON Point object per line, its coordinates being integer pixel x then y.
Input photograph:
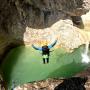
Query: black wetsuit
{"type": "Point", "coordinates": [45, 54]}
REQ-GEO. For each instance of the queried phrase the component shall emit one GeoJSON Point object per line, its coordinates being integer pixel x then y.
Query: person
{"type": "Point", "coordinates": [45, 51]}
{"type": "Point", "coordinates": [45, 54]}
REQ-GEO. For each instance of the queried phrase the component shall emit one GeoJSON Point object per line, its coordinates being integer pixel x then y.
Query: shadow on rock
{"type": "Point", "coordinates": [74, 83]}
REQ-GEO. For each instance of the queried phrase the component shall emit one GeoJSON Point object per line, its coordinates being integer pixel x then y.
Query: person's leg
{"type": "Point", "coordinates": [47, 60]}
{"type": "Point", "coordinates": [44, 60]}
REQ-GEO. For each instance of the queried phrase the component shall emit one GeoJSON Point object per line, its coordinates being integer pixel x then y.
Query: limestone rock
{"type": "Point", "coordinates": [73, 7]}
{"type": "Point", "coordinates": [42, 16]}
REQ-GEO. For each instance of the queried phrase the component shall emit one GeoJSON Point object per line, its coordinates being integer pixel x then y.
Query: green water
{"type": "Point", "coordinates": [24, 64]}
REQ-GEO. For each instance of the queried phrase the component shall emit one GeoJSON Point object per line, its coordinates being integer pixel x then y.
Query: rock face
{"type": "Point", "coordinates": [45, 16]}
{"type": "Point", "coordinates": [23, 22]}
{"type": "Point", "coordinates": [72, 7]}
{"type": "Point", "coordinates": [37, 13]}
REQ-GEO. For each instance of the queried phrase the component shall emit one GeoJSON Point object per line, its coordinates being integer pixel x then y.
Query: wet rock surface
{"type": "Point", "coordinates": [56, 84]}
{"type": "Point", "coordinates": [75, 83]}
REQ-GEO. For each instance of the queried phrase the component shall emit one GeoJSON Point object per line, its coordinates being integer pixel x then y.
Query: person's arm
{"type": "Point", "coordinates": [52, 45]}
{"type": "Point", "coordinates": [37, 48]}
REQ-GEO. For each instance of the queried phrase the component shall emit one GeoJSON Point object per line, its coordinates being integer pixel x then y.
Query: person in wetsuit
{"type": "Point", "coordinates": [45, 51]}
{"type": "Point", "coordinates": [45, 54]}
